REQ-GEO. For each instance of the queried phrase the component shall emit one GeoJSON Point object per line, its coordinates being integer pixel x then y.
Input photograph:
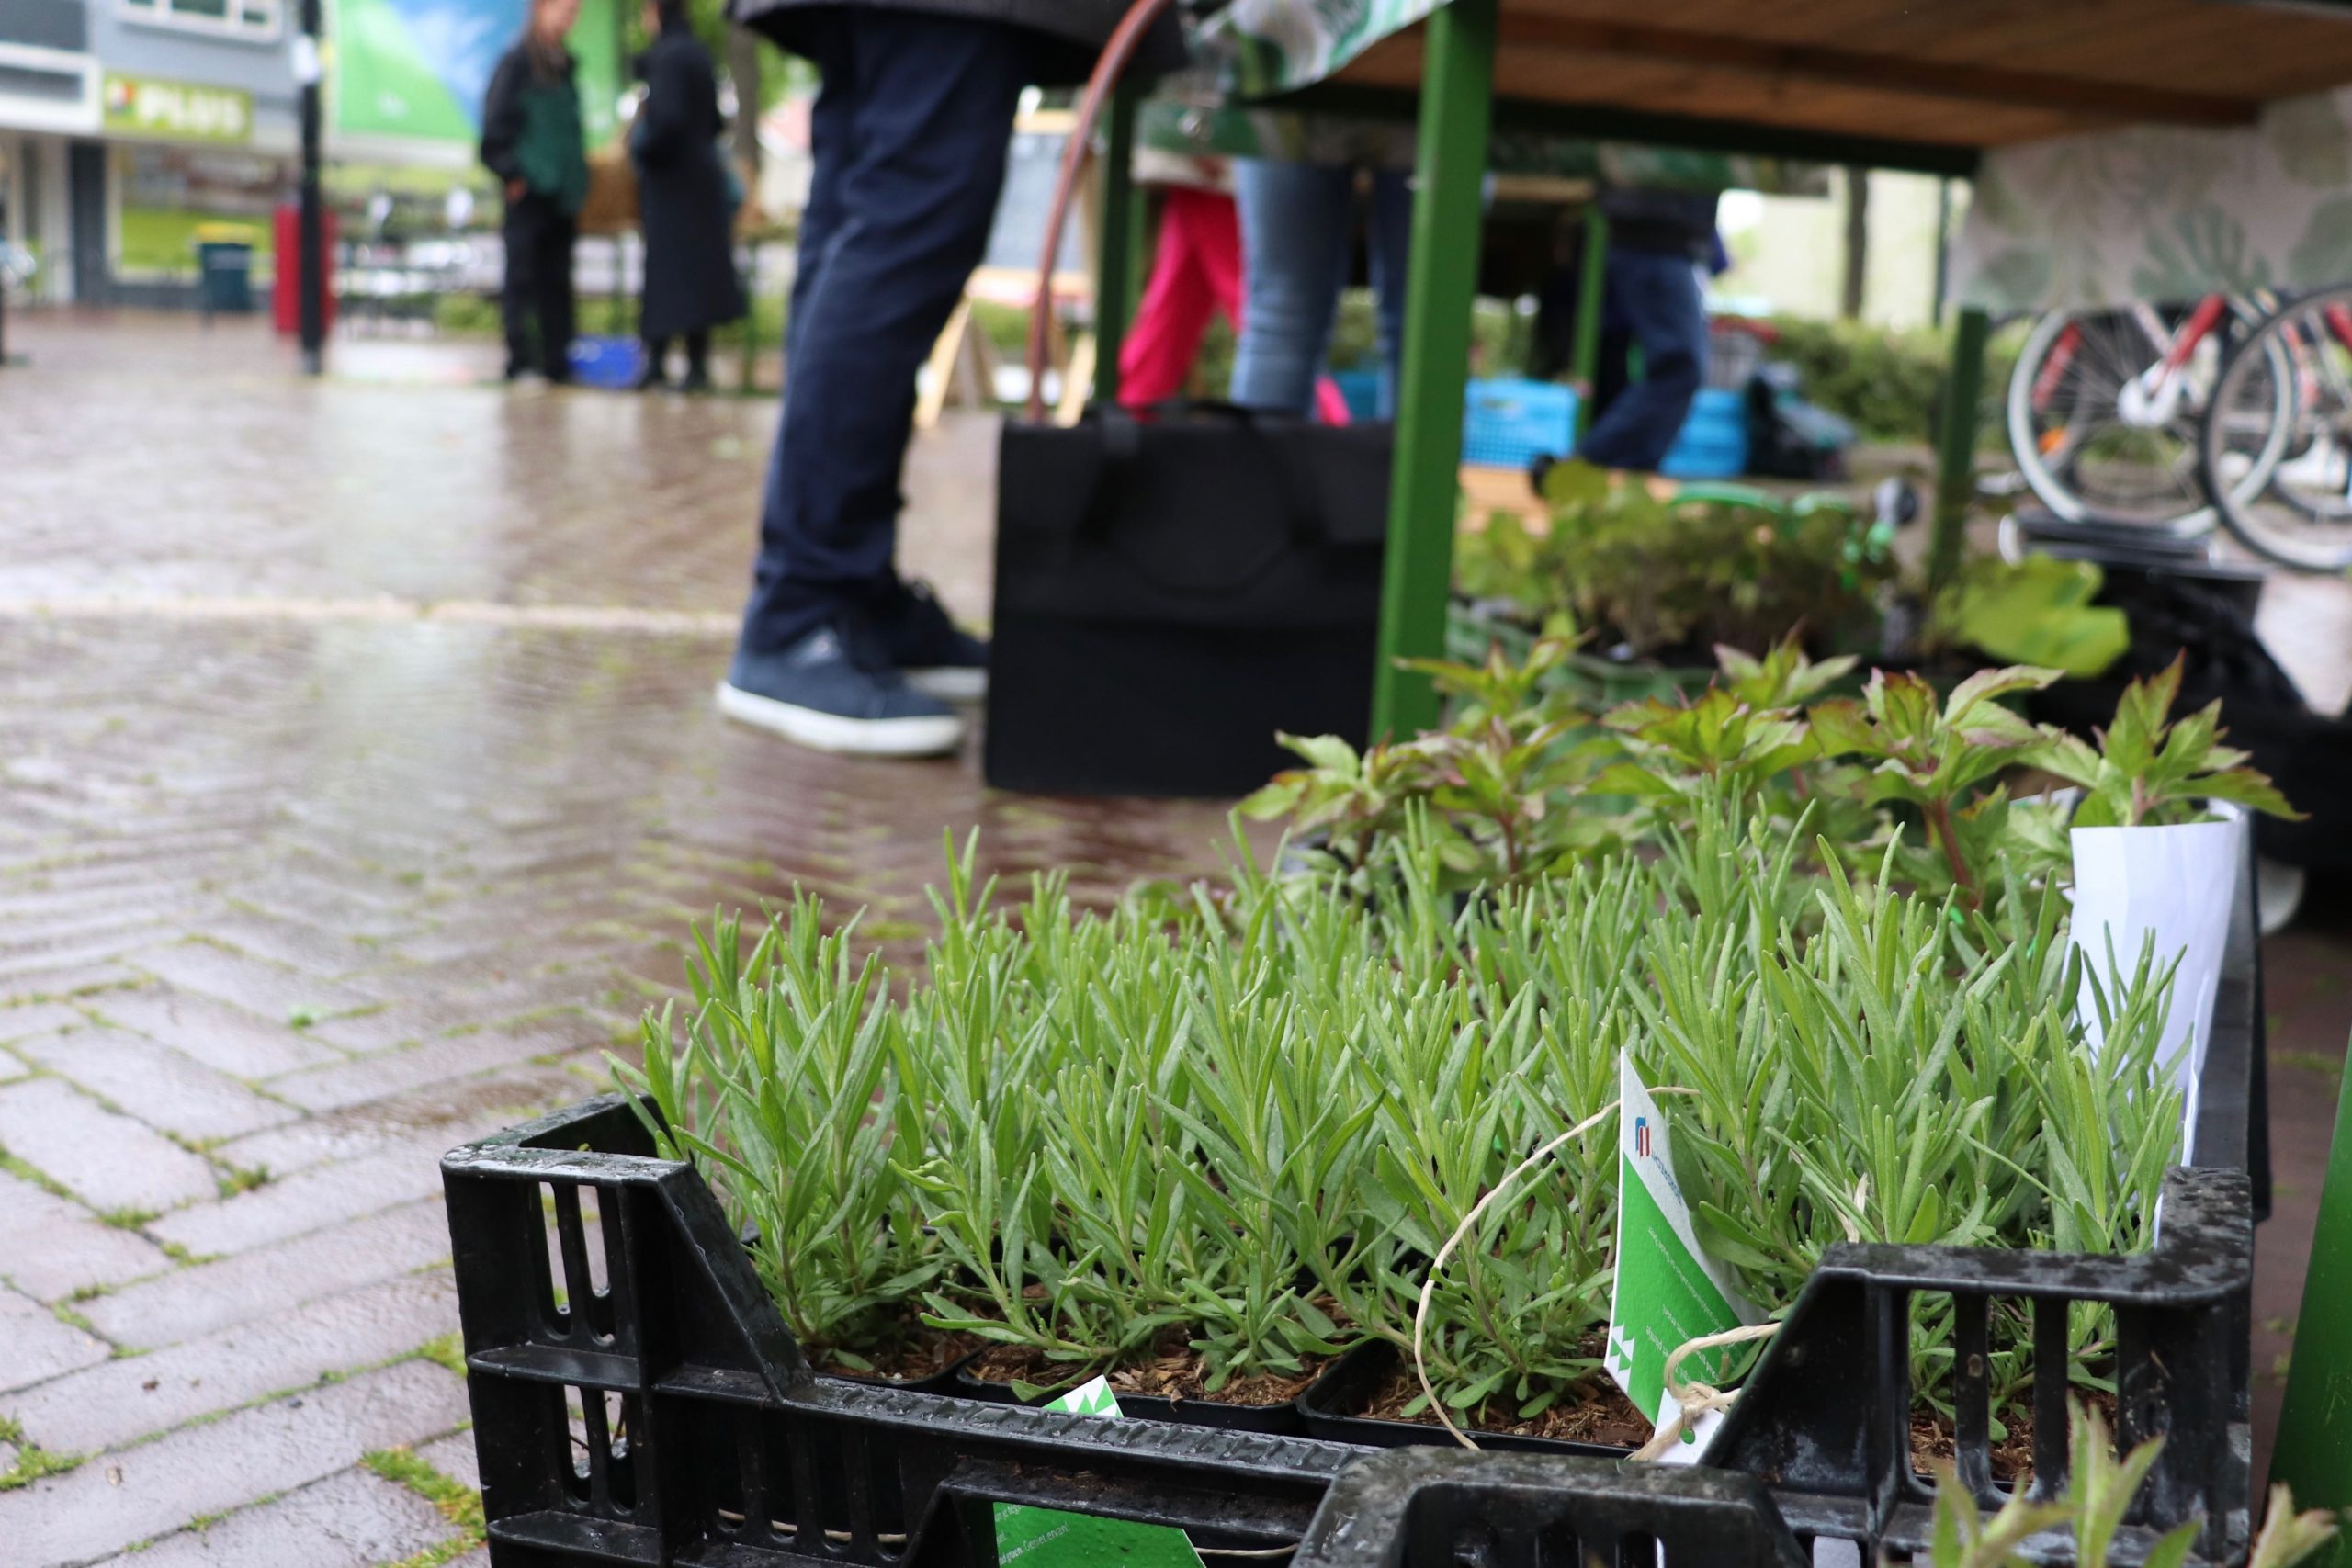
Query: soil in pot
{"type": "Point", "coordinates": [1171, 1385]}
{"type": "Point", "coordinates": [919, 1357]}
{"type": "Point", "coordinates": [1361, 1399]}
{"type": "Point", "coordinates": [1933, 1447]}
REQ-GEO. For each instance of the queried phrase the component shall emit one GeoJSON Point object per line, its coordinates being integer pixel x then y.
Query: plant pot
{"type": "Point", "coordinates": [947, 1380]}
{"type": "Point", "coordinates": [1329, 1410]}
{"type": "Point", "coordinates": [1281, 1420]}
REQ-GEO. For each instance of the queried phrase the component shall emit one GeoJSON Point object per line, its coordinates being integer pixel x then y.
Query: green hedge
{"type": "Point", "coordinates": [1887, 379]}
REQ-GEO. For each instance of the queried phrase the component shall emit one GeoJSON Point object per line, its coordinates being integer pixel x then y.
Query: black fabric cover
{"type": "Point", "coordinates": [1171, 590]}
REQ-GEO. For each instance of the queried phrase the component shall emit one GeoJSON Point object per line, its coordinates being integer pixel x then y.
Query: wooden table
{"type": "Point", "coordinates": [1917, 84]}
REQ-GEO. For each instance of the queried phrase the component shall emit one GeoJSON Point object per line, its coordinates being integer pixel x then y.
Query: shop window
{"type": "Point", "coordinates": [257, 19]}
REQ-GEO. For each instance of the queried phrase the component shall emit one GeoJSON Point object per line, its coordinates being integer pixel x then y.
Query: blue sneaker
{"type": "Point", "coordinates": [938, 658]}
{"type": "Point", "coordinates": [817, 695]}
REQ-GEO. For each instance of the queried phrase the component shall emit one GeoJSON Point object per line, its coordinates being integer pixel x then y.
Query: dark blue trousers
{"type": "Point", "coordinates": [1652, 297]}
{"type": "Point", "coordinates": [908, 136]}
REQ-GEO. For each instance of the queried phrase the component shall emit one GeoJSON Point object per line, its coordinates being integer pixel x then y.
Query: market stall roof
{"type": "Point", "coordinates": [1893, 82]}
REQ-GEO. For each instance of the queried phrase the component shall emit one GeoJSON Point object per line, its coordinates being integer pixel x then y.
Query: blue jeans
{"type": "Point", "coordinates": [908, 136]}
{"type": "Point", "coordinates": [1654, 295]}
{"type": "Point", "coordinates": [1298, 237]}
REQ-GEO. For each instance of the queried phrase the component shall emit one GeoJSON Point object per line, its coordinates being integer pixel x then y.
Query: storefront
{"type": "Point", "coordinates": [199, 122]}
{"type": "Point", "coordinates": [49, 99]}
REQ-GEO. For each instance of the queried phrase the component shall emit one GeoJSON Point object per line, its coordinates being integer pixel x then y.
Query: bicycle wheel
{"type": "Point", "coordinates": [2102, 424]}
{"type": "Point", "coordinates": [2277, 436]}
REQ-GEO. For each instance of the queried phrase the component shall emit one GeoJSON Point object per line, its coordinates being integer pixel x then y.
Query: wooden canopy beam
{"type": "Point", "coordinates": [1853, 68]}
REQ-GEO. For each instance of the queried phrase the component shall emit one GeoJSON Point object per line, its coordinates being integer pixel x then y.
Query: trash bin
{"type": "Point", "coordinates": [224, 268]}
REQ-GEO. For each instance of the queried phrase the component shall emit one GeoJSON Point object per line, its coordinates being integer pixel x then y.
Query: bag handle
{"type": "Point", "coordinates": [1122, 434]}
{"type": "Point", "coordinates": [1113, 64]}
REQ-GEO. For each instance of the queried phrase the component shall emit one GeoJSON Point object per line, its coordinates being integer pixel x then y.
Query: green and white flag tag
{"type": "Point", "coordinates": [1668, 1292]}
{"type": "Point", "coordinates": [1048, 1538]}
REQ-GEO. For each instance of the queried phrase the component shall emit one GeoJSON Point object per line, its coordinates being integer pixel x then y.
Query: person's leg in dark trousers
{"type": "Point", "coordinates": [698, 362]}
{"type": "Point", "coordinates": [932, 99]}
{"type": "Point", "coordinates": [832, 135]}
{"type": "Point", "coordinates": [909, 164]}
{"type": "Point", "coordinates": [1656, 295]}
{"type": "Point", "coordinates": [655, 371]}
{"type": "Point", "coordinates": [1297, 238]}
{"type": "Point", "coordinates": [555, 296]}
{"type": "Point", "coordinates": [518, 299]}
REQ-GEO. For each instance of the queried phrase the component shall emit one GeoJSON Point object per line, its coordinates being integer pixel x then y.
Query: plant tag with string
{"type": "Point", "coordinates": [1049, 1538]}
{"type": "Point", "coordinates": [1668, 1293]}
{"type": "Point", "coordinates": [2169, 887]}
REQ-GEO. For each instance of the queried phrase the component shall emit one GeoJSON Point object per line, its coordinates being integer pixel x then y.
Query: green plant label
{"type": "Point", "coordinates": [1048, 1538]}
{"type": "Point", "coordinates": [1667, 1291]}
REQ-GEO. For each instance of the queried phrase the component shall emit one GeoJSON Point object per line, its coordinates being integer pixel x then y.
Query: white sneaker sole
{"type": "Point", "coordinates": [950, 683]}
{"type": "Point", "coordinates": [921, 737]}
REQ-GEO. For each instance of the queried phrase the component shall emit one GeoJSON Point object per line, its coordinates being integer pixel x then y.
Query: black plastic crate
{"type": "Point", "coordinates": [701, 1435]}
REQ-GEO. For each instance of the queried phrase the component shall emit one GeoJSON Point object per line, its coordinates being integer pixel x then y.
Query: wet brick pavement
{"type": "Point", "coordinates": [358, 782]}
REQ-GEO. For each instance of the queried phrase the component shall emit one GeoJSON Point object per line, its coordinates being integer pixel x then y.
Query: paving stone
{"type": "Point", "coordinates": [354, 1519]}
{"type": "Point", "coordinates": [156, 1084]}
{"type": "Point", "coordinates": [295, 944]}
{"type": "Point", "coordinates": [398, 1024]}
{"type": "Point", "coordinates": [108, 1160]}
{"type": "Point", "coordinates": [12, 1067]}
{"type": "Point", "coordinates": [454, 1457]}
{"type": "Point", "coordinates": [402, 1068]}
{"type": "Point", "coordinates": [195, 1301]}
{"type": "Point", "coordinates": [36, 963]}
{"type": "Point", "coordinates": [245, 981]}
{"type": "Point", "coordinates": [70, 980]}
{"type": "Point", "coordinates": [39, 1018]}
{"type": "Point", "coordinates": [51, 1247]}
{"type": "Point", "coordinates": [109, 1406]}
{"type": "Point", "coordinates": [115, 1500]}
{"type": "Point", "coordinates": [453, 1111]}
{"type": "Point", "coordinates": [310, 1200]}
{"type": "Point", "coordinates": [34, 1343]}
{"type": "Point", "coordinates": [226, 1039]}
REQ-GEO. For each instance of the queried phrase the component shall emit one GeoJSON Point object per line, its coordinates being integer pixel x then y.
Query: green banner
{"type": "Point", "coordinates": [177, 111]}
{"type": "Point", "coordinates": [418, 70]}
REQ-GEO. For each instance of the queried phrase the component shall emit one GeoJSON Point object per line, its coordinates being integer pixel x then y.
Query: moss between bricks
{"type": "Point", "coordinates": [33, 1462]}
{"type": "Point", "coordinates": [459, 1503]}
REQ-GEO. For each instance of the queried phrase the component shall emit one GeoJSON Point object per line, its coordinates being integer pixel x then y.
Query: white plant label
{"type": "Point", "coordinates": [1668, 1293]}
{"type": "Point", "coordinates": [2175, 884]}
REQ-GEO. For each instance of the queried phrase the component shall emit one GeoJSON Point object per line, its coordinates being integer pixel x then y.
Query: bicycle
{"type": "Point", "coordinates": [2106, 411]}
{"type": "Point", "coordinates": [2282, 482]}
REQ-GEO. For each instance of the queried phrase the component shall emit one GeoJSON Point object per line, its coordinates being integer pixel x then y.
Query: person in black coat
{"type": "Point", "coordinates": [531, 139]}
{"type": "Point", "coordinates": [684, 200]}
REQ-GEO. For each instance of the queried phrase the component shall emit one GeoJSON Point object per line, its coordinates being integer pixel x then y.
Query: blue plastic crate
{"type": "Point", "coordinates": [606, 361]}
{"type": "Point", "coordinates": [1509, 423]}
{"type": "Point", "coordinates": [1361, 389]}
{"type": "Point", "coordinates": [1713, 443]}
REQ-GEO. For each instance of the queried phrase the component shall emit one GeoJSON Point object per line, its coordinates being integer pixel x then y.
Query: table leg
{"type": "Point", "coordinates": [1592, 287]}
{"type": "Point", "coordinates": [1956, 446]}
{"type": "Point", "coordinates": [1442, 277]}
{"type": "Point", "coordinates": [1113, 286]}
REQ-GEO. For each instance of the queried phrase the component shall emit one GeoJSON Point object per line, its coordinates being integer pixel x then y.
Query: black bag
{"type": "Point", "coordinates": [1171, 590]}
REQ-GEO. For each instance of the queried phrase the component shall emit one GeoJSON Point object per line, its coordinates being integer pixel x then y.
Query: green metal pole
{"type": "Point", "coordinates": [1115, 269]}
{"type": "Point", "coordinates": [1592, 285]}
{"type": "Point", "coordinates": [1440, 284]}
{"type": "Point", "coordinates": [1956, 446]}
{"type": "Point", "coordinates": [2313, 1453]}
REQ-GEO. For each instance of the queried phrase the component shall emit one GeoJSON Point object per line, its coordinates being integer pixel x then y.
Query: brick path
{"type": "Point", "coordinates": [358, 782]}
{"type": "Point", "coordinates": [300, 887]}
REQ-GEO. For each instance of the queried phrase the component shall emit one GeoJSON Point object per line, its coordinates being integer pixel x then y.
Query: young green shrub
{"type": "Point", "coordinates": [782, 1086]}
